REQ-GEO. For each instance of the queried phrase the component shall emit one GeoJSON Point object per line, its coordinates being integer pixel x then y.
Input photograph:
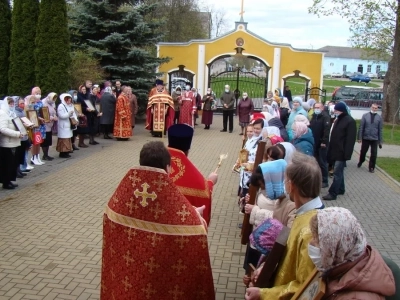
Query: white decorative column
{"type": "Point", "coordinates": [276, 69]}
{"type": "Point", "coordinates": [201, 68]}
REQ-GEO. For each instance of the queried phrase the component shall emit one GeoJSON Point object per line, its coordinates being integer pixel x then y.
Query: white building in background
{"type": "Point", "coordinates": [338, 60]}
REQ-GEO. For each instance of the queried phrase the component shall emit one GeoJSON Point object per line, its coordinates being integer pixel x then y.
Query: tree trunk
{"type": "Point", "coordinates": [391, 84]}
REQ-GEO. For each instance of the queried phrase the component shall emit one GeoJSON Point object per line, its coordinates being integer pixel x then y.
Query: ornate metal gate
{"type": "Point", "coordinates": [316, 93]}
{"type": "Point", "coordinates": [240, 80]}
{"type": "Point", "coordinates": [180, 77]}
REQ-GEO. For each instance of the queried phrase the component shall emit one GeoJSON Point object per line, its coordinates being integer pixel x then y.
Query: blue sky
{"type": "Point", "coordinates": [286, 21]}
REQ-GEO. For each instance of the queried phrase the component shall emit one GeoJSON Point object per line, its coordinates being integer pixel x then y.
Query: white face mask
{"type": "Point", "coordinates": [315, 256]}
{"type": "Point", "coordinates": [226, 90]}
{"type": "Point", "coordinates": [75, 97]}
{"type": "Point", "coordinates": [38, 97]}
{"type": "Point", "coordinates": [187, 88]}
{"type": "Point", "coordinates": [373, 112]}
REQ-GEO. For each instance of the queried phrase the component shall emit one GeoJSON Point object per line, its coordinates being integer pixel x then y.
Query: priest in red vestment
{"type": "Point", "coordinates": [160, 110]}
{"type": "Point", "coordinates": [184, 173]}
{"type": "Point", "coordinates": [154, 241]}
{"type": "Point", "coordinates": [188, 107]}
{"type": "Point", "coordinates": [123, 116]}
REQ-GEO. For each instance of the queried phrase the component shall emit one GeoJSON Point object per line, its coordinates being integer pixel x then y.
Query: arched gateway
{"type": "Point", "coordinates": [241, 59]}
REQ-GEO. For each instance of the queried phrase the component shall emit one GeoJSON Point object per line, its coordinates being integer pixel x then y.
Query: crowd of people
{"type": "Point", "coordinates": [166, 202]}
{"type": "Point", "coordinates": [28, 124]}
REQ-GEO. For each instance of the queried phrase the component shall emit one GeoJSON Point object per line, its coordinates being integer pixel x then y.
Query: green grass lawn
{"type": "Point", "coordinates": [387, 133]}
{"type": "Point", "coordinates": [390, 165]}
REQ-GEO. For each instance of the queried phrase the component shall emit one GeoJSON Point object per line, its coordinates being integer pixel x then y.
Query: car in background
{"type": "Point", "coordinates": [381, 75]}
{"type": "Point", "coordinates": [347, 92]}
{"type": "Point", "coordinates": [371, 75]}
{"type": "Point", "coordinates": [336, 75]}
{"type": "Point", "coordinates": [365, 98]}
{"type": "Point", "coordinates": [360, 78]}
{"type": "Point", "coordinates": [348, 74]}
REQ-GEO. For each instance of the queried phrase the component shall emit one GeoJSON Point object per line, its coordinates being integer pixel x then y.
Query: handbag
{"type": "Point", "coordinates": [82, 121]}
{"type": "Point", "coordinates": [74, 122]}
{"type": "Point", "coordinates": [37, 138]}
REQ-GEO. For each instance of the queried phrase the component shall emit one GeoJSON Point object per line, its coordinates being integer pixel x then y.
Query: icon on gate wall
{"type": "Point", "coordinates": [239, 42]}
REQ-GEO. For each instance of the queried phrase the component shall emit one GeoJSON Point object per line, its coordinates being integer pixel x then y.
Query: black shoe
{"type": "Point", "coordinates": [205, 127]}
{"type": "Point", "coordinates": [49, 158]}
{"type": "Point", "coordinates": [95, 143]}
{"type": "Point", "coordinates": [325, 185]}
{"type": "Point", "coordinates": [74, 147]}
{"type": "Point", "coordinates": [241, 133]}
{"type": "Point", "coordinates": [8, 186]}
{"type": "Point", "coordinates": [329, 197]}
{"type": "Point", "coordinates": [341, 193]}
{"type": "Point", "coordinates": [359, 165]}
{"type": "Point", "coordinates": [19, 175]}
{"type": "Point", "coordinates": [25, 171]}
{"type": "Point", "coordinates": [371, 170]}
{"type": "Point", "coordinates": [107, 137]}
{"type": "Point", "coordinates": [14, 184]}
{"type": "Point", "coordinates": [223, 130]}
{"type": "Point", "coordinates": [230, 131]}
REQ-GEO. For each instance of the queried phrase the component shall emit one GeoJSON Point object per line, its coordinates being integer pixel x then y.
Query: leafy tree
{"type": "Point", "coordinates": [21, 73]}
{"type": "Point", "coordinates": [52, 53]}
{"type": "Point", "coordinates": [85, 67]}
{"type": "Point", "coordinates": [375, 27]}
{"type": "Point", "coordinates": [121, 39]}
{"type": "Point", "coordinates": [5, 37]}
{"type": "Point", "coordinates": [183, 20]}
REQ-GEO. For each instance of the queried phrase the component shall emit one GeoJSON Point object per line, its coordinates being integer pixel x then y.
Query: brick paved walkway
{"type": "Point", "coordinates": [51, 226]}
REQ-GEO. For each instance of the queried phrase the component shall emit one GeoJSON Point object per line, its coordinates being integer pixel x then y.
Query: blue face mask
{"type": "Point", "coordinates": [317, 111]}
{"type": "Point", "coordinates": [11, 108]}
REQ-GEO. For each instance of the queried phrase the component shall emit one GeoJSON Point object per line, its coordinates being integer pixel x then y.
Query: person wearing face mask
{"type": "Point", "coordinates": [168, 231]}
{"type": "Point", "coordinates": [10, 139]}
{"type": "Point", "coordinates": [207, 116]}
{"type": "Point", "coordinates": [370, 135]}
{"type": "Point", "coordinates": [49, 102]}
{"type": "Point", "coordinates": [303, 186]}
{"type": "Point", "coordinates": [296, 110]}
{"type": "Point", "coordinates": [188, 107]}
{"type": "Point", "coordinates": [245, 109]}
{"type": "Point", "coordinates": [228, 107]}
{"type": "Point", "coordinates": [320, 126]}
{"type": "Point", "coordinates": [341, 145]}
{"type": "Point", "coordinates": [350, 267]}
{"type": "Point", "coordinates": [176, 96]}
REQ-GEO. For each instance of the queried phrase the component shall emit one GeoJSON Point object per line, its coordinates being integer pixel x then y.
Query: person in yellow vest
{"type": "Point", "coordinates": [303, 185]}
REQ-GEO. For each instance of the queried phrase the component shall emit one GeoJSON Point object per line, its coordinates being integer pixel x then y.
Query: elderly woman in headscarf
{"type": "Point", "coordinates": [311, 103]}
{"type": "Point", "coordinates": [269, 179]}
{"type": "Point", "coordinates": [65, 112]}
{"type": "Point", "coordinates": [284, 111]}
{"type": "Point", "coordinates": [277, 95]}
{"type": "Point", "coordinates": [10, 139]}
{"type": "Point", "coordinates": [303, 139]}
{"type": "Point", "coordinates": [350, 267]}
{"type": "Point", "coordinates": [277, 123]}
{"type": "Point", "coordinates": [297, 110]}
{"type": "Point", "coordinates": [26, 144]}
{"type": "Point", "coordinates": [49, 102]}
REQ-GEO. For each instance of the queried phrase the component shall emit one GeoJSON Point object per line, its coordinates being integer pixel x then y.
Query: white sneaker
{"type": "Point", "coordinates": [39, 160]}
{"type": "Point", "coordinates": [35, 161]}
{"type": "Point", "coordinates": [29, 167]}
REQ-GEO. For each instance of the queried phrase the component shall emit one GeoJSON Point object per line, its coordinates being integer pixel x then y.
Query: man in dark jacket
{"type": "Point", "coordinates": [341, 144]}
{"type": "Point", "coordinates": [320, 126]}
{"type": "Point", "coordinates": [370, 134]}
{"type": "Point", "coordinates": [228, 107]}
{"type": "Point", "coordinates": [288, 94]}
{"type": "Point", "coordinates": [107, 104]}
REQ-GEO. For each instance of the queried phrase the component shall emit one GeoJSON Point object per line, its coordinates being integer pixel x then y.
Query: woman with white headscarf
{"type": "Point", "coordinates": [289, 151]}
{"type": "Point", "coordinates": [350, 267]}
{"type": "Point", "coordinates": [65, 112]}
{"type": "Point", "coordinates": [10, 139]}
